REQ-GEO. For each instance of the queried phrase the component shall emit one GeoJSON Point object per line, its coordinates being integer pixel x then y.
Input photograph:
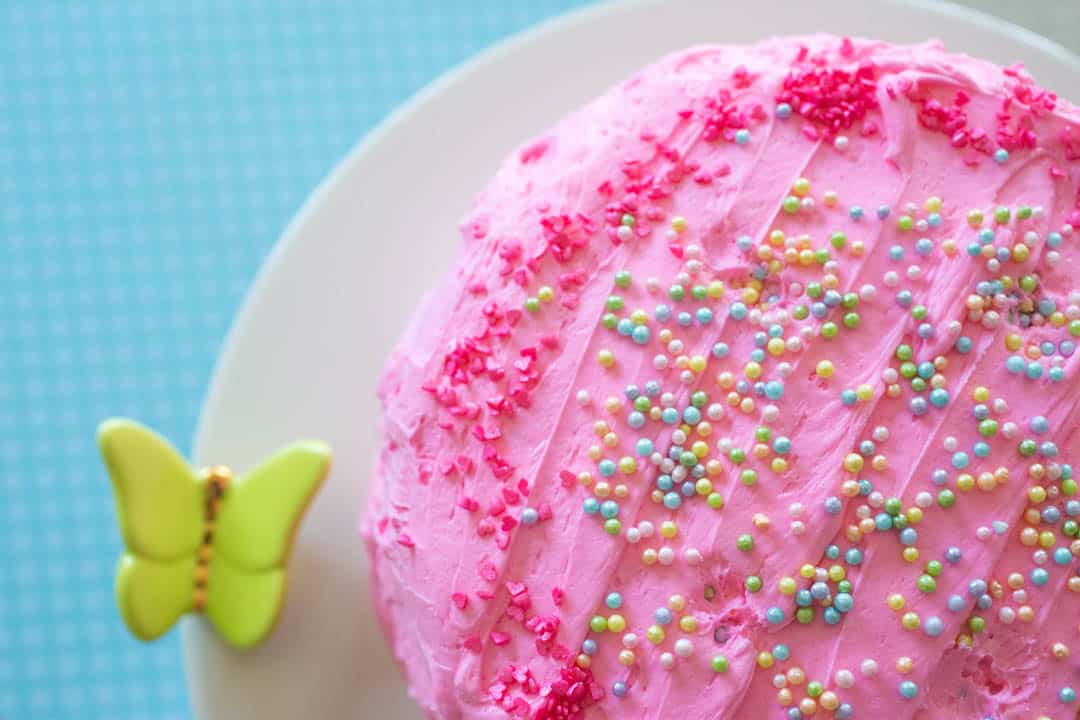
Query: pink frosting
{"type": "Point", "coordinates": [503, 410]}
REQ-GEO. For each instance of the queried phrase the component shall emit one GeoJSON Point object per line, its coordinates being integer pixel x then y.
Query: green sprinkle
{"type": "Point", "coordinates": [851, 320]}
{"type": "Point", "coordinates": [598, 624]}
{"type": "Point", "coordinates": [614, 303]}
{"type": "Point", "coordinates": [838, 240]}
{"type": "Point", "coordinates": [814, 689]}
{"type": "Point", "coordinates": [676, 292]}
{"type": "Point", "coordinates": [698, 292]}
{"type": "Point", "coordinates": [753, 582]}
{"type": "Point", "coordinates": [610, 320]}
{"type": "Point", "coordinates": [927, 584]}
{"type": "Point", "coordinates": [1027, 448]}
{"type": "Point", "coordinates": [737, 456]}
{"type": "Point", "coordinates": [946, 498]}
{"type": "Point", "coordinates": [748, 477]}
{"type": "Point", "coordinates": [623, 279]}
{"type": "Point", "coordinates": [976, 623]}
{"type": "Point", "coordinates": [905, 222]}
{"type": "Point", "coordinates": [715, 500]}
{"type": "Point", "coordinates": [804, 615]}
{"type": "Point", "coordinates": [1001, 215]}
{"type": "Point", "coordinates": [612, 526]}
{"type": "Point", "coordinates": [745, 543]}
{"type": "Point", "coordinates": [719, 663]}
{"type": "Point", "coordinates": [642, 404]}
{"type": "Point", "coordinates": [699, 399]}
{"type": "Point", "coordinates": [628, 220]}
{"type": "Point", "coordinates": [919, 312]}
{"type": "Point", "coordinates": [850, 301]}
{"type": "Point", "coordinates": [800, 312]}
{"type": "Point", "coordinates": [814, 290]}
{"type": "Point", "coordinates": [1023, 212]}
{"type": "Point", "coordinates": [762, 434]}
{"type": "Point", "coordinates": [791, 205]}
{"type": "Point", "coordinates": [933, 568]}
{"type": "Point", "coordinates": [904, 352]}
{"type": "Point", "coordinates": [893, 506]}
{"type": "Point", "coordinates": [829, 330]}
{"type": "Point", "coordinates": [988, 428]}
{"type": "Point", "coordinates": [532, 305]}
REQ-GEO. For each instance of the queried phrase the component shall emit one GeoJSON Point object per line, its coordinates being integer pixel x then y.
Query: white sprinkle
{"type": "Point", "coordinates": [983, 533]}
{"type": "Point", "coordinates": [583, 397]}
{"type": "Point", "coordinates": [667, 661]}
{"type": "Point", "coordinates": [924, 500]}
{"type": "Point", "coordinates": [666, 556]}
{"type": "Point", "coordinates": [869, 668]}
{"type": "Point", "coordinates": [633, 536]}
{"type": "Point", "coordinates": [630, 641]}
{"type": "Point", "coordinates": [845, 678]}
{"type": "Point", "coordinates": [646, 529]}
{"type": "Point", "coordinates": [684, 648]}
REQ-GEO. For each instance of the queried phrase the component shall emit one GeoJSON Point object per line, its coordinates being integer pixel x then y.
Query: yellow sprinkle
{"type": "Point", "coordinates": [1036, 494]}
{"type": "Point", "coordinates": [715, 290]}
{"type": "Point", "coordinates": [616, 623]}
{"type": "Point", "coordinates": [606, 358]}
{"type": "Point", "coordinates": [853, 462]}
{"type": "Point", "coordinates": [779, 465]}
{"type": "Point", "coordinates": [678, 223]}
{"type": "Point", "coordinates": [1013, 341]}
{"type": "Point", "coordinates": [864, 392]}
{"type": "Point", "coordinates": [776, 237]}
{"type": "Point", "coordinates": [914, 515]}
{"type": "Point", "coordinates": [765, 660]}
{"type": "Point", "coordinates": [787, 585]}
{"type": "Point", "coordinates": [896, 602]}
{"type": "Point", "coordinates": [933, 204]}
{"type": "Point", "coordinates": [700, 449]}
{"type": "Point", "coordinates": [825, 369]}
{"type": "Point", "coordinates": [904, 664]}
{"type": "Point", "coordinates": [752, 370]}
{"type": "Point", "coordinates": [750, 296]}
{"type": "Point", "coordinates": [837, 573]}
{"type": "Point", "coordinates": [677, 603]}
{"type": "Point", "coordinates": [585, 478]}
{"type": "Point", "coordinates": [584, 661]}
{"type": "Point", "coordinates": [639, 317]}
{"type": "Point", "coordinates": [669, 529]}
{"type": "Point", "coordinates": [775, 346]}
{"type": "Point", "coordinates": [698, 363]}
{"type": "Point", "coordinates": [801, 187]}
{"type": "Point", "coordinates": [829, 197]}
{"type": "Point", "coordinates": [687, 624]}
{"type": "Point", "coordinates": [628, 465]}
{"type": "Point", "coordinates": [545, 294]}
{"type": "Point", "coordinates": [655, 634]}
{"type": "Point", "coordinates": [980, 394]}
{"type": "Point", "coordinates": [910, 621]}
{"type": "Point", "coordinates": [910, 554]}
{"type": "Point", "coordinates": [948, 246]}
{"type": "Point", "coordinates": [807, 571]}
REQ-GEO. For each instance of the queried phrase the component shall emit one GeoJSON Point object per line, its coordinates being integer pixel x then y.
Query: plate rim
{"type": "Point", "coordinates": [289, 242]}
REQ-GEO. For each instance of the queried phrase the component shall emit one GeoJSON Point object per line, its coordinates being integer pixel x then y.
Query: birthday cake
{"type": "Point", "coordinates": [753, 394]}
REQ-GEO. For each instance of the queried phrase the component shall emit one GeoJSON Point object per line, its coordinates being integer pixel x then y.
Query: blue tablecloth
{"type": "Point", "coordinates": [150, 154]}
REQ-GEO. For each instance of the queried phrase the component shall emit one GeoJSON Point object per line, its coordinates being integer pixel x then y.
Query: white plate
{"type": "Point", "coordinates": [305, 352]}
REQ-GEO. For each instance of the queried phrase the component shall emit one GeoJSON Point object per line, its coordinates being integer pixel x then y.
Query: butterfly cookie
{"type": "Point", "coordinates": [204, 541]}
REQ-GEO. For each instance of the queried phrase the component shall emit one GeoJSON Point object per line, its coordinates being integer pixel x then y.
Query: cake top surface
{"type": "Point", "coordinates": [753, 394]}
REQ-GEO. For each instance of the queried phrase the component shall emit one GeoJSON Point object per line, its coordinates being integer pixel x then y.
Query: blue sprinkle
{"type": "Point", "coordinates": [591, 506]}
{"type": "Point", "coordinates": [529, 516]}
{"type": "Point", "coordinates": [781, 652]}
{"type": "Point", "coordinates": [963, 344]}
{"type": "Point", "coordinates": [609, 509]}
{"type": "Point", "coordinates": [833, 506]}
{"type": "Point", "coordinates": [848, 397]}
{"type": "Point", "coordinates": [896, 252]}
{"type": "Point", "coordinates": [720, 350]}
{"type": "Point", "coordinates": [652, 388]}
{"type": "Point", "coordinates": [955, 603]}
{"type": "Point", "coordinates": [831, 616]}
{"type": "Point", "coordinates": [1053, 240]}
{"type": "Point", "coordinates": [672, 501]}
{"type": "Point", "coordinates": [665, 483]}
{"type": "Point", "coordinates": [984, 602]}
{"type": "Point", "coordinates": [1056, 374]}
{"type": "Point", "coordinates": [662, 313]}
{"type": "Point", "coordinates": [904, 298]}
{"type": "Point", "coordinates": [744, 243]}
{"type": "Point", "coordinates": [1040, 577]}
{"type": "Point", "coordinates": [644, 447]}
{"type": "Point", "coordinates": [976, 588]}
{"type": "Point", "coordinates": [843, 602]}
{"type": "Point", "coordinates": [688, 489]}
{"type": "Point", "coordinates": [704, 316]}
{"type": "Point", "coordinates": [1034, 370]}
{"type": "Point", "coordinates": [613, 600]}
{"type": "Point", "coordinates": [939, 397]}
{"type": "Point", "coordinates": [624, 327]}
{"type": "Point", "coordinates": [742, 136]}
{"type": "Point", "coordinates": [1001, 156]}
{"type": "Point", "coordinates": [909, 536]}
{"type": "Point", "coordinates": [619, 689]}
{"type": "Point", "coordinates": [774, 615]}
{"type": "Point", "coordinates": [939, 477]}
{"type": "Point", "coordinates": [981, 449]}
{"type": "Point", "coordinates": [953, 554]}
{"type": "Point", "coordinates": [908, 689]}
{"type": "Point", "coordinates": [1015, 364]}
{"type": "Point", "coordinates": [589, 647]}
{"type": "Point", "coordinates": [933, 626]}
{"type": "Point", "coordinates": [685, 319]}
{"type": "Point", "coordinates": [882, 212]}
{"type": "Point", "coordinates": [917, 406]}
{"type": "Point", "coordinates": [662, 616]}
{"type": "Point", "coordinates": [855, 213]}
{"type": "Point", "coordinates": [783, 111]}
{"type": "Point", "coordinates": [845, 711]}
{"type": "Point", "coordinates": [803, 598]}
{"type": "Point", "coordinates": [924, 246]}
{"type": "Point", "coordinates": [640, 335]}
{"type": "Point", "coordinates": [691, 415]}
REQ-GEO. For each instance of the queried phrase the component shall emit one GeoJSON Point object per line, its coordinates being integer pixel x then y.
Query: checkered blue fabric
{"type": "Point", "coordinates": [150, 153]}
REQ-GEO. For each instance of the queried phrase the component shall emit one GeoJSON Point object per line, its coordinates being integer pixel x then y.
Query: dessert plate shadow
{"type": "Point", "coordinates": [305, 351]}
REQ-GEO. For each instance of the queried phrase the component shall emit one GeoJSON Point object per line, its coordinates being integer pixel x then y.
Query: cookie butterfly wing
{"type": "Point", "coordinates": [252, 538]}
{"type": "Point", "coordinates": [159, 507]}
